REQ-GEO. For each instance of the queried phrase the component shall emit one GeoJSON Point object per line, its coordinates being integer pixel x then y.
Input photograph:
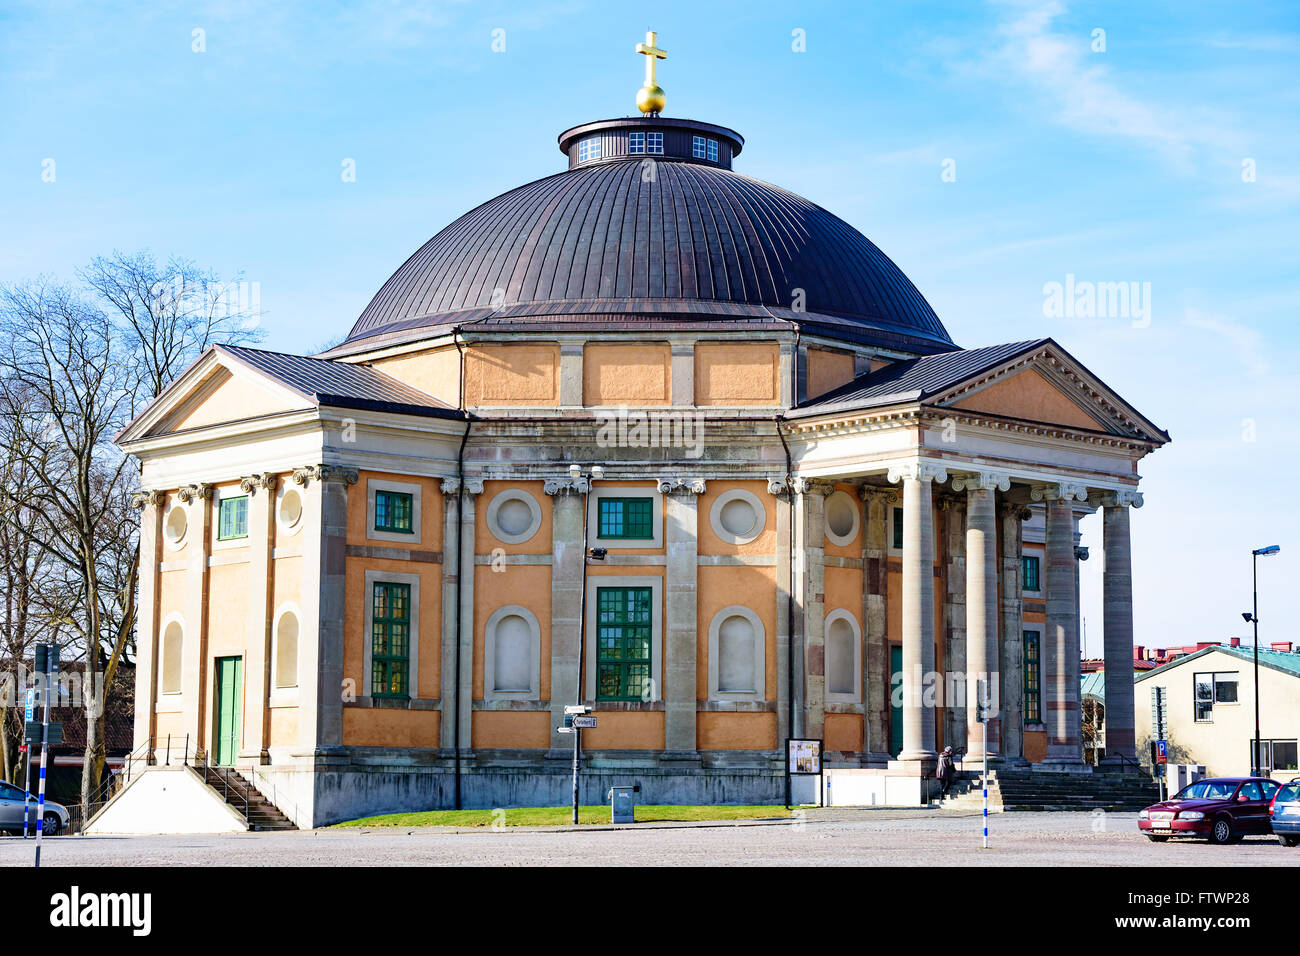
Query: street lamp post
{"type": "Point", "coordinates": [1253, 618]}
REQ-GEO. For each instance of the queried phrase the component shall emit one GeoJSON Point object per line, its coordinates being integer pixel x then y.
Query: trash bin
{"type": "Point", "coordinates": [623, 803]}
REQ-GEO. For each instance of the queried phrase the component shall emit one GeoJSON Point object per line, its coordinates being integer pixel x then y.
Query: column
{"type": "Point", "coordinates": [680, 637]}
{"type": "Point", "coordinates": [450, 600]}
{"type": "Point", "coordinates": [152, 505]}
{"type": "Point", "coordinates": [198, 501]}
{"type": "Point", "coordinates": [1012, 684]}
{"type": "Point", "coordinates": [320, 649]}
{"type": "Point", "coordinates": [810, 599]}
{"type": "Point", "coordinates": [1117, 604]}
{"type": "Point", "coordinates": [955, 689]}
{"type": "Point", "coordinates": [473, 487]}
{"type": "Point", "coordinates": [918, 610]}
{"type": "Point", "coordinates": [982, 609]}
{"type": "Point", "coordinates": [784, 597]}
{"type": "Point", "coordinates": [875, 621]}
{"type": "Point", "coordinates": [1061, 713]}
{"type": "Point", "coordinates": [566, 599]}
{"type": "Point", "coordinates": [257, 660]}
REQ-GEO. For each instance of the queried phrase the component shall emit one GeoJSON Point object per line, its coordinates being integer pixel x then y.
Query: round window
{"type": "Point", "coordinates": [514, 516]}
{"type": "Point", "coordinates": [289, 512]}
{"type": "Point", "coordinates": [176, 524]}
{"type": "Point", "coordinates": [737, 516]}
{"type": "Point", "coordinates": [841, 518]}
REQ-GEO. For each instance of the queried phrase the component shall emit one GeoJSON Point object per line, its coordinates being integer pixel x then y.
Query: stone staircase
{"type": "Point", "coordinates": [238, 791]}
{"type": "Point", "coordinates": [1020, 789]}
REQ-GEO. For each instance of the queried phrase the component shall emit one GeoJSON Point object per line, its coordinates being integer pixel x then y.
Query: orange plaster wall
{"type": "Point", "coordinates": [525, 585]}
{"type": "Point", "coordinates": [631, 374]}
{"type": "Point", "coordinates": [827, 370]}
{"type": "Point", "coordinates": [710, 543]}
{"type": "Point", "coordinates": [486, 541]}
{"type": "Point", "coordinates": [228, 588]}
{"type": "Point", "coordinates": [513, 374]}
{"type": "Point", "coordinates": [384, 727]}
{"type": "Point", "coordinates": [429, 671]}
{"type": "Point", "coordinates": [730, 731]}
{"type": "Point", "coordinates": [844, 732]}
{"type": "Point", "coordinates": [435, 371]}
{"type": "Point", "coordinates": [737, 374]}
{"type": "Point", "coordinates": [509, 729]}
{"type": "Point", "coordinates": [1029, 396]}
{"type": "Point", "coordinates": [431, 507]}
{"type": "Point", "coordinates": [719, 587]}
{"type": "Point", "coordinates": [625, 730]}
{"type": "Point", "coordinates": [844, 591]}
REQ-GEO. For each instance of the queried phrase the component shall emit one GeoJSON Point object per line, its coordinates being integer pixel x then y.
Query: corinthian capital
{"type": "Point", "coordinates": [142, 499]}
{"type": "Point", "coordinates": [1059, 491]}
{"type": "Point", "coordinates": [918, 471]}
{"type": "Point", "coordinates": [811, 486]}
{"type": "Point", "coordinates": [980, 481]}
{"type": "Point", "coordinates": [188, 493]}
{"type": "Point", "coordinates": [1117, 499]}
{"type": "Point", "coordinates": [681, 486]}
{"type": "Point", "coordinates": [324, 473]}
{"type": "Point", "coordinates": [566, 486]}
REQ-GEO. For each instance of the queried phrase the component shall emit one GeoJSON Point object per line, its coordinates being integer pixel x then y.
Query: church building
{"type": "Point", "coordinates": [646, 435]}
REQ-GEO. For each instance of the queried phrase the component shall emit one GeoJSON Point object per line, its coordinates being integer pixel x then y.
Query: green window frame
{"type": "Point", "coordinates": [1030, 572]}
{"type": "Point", "coordinates": [390, 640]}
{"type": "Point", "coordinates": [394, 512]}
{"type": "Point", "coordinates": [1033, 677]}
{"type": "Point", "coordinates": [626, 518]}
{"type": "Point", "coordinates": [232, 518]}
{"type": "Point", "coordinates": [624, 633]}
{"type": "Point", "coordinates": [898, 529]}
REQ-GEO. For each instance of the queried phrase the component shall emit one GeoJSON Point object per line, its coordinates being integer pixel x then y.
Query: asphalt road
{"type": "Point", "coordinates": [822, 838]}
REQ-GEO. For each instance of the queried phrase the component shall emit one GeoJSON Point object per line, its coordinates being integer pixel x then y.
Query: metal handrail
{"type": "Point", "coordinates": [223, 774]}
{"type": "Point", "coordinates": [289, 809]}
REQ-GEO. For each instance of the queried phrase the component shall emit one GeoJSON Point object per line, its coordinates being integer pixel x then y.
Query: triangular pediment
{"type": "Point", "coordinates": [217, 389]}
{"type": "Point", "coordinates": [1047, 386]}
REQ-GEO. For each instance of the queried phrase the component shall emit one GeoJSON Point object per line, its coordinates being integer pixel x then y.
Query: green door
{"type": "Point", "coordinates": [230, 710]}
{"type": "Point", "coordinates": [895, 703]}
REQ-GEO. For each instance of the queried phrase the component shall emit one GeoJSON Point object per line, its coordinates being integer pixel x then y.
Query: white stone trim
{"type": "Point", "coordinates": [614, 491]}
{"type": "Point", "coordinates": [489, 655]}
{"type": "Point", "coordinates": [856, 664]}
{"type": "Point", "coordinates": [379, 484]}
{"type": "Point", "coordinates": [284, 695]}
{"type": "Point", "coordinates": [503, 497]}
{"type": "Point", "coordinates": [373, 577]}
{"type": "Point", "coordinates": [169, 702]}
{"type": "Point", "coordinates": [656, 586]}
{"type": "Point", "coordinates": [286, 528]}
{"type": "Point", "coordinates": [760, 654]}
{"type": "Point", "coordinates": [724, 499]}
{"type": "Point", "coordinates": [855, 510]}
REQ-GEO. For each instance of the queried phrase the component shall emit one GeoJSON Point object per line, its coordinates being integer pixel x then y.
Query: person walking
{"type": "Point", "coordinates": [945, 772]}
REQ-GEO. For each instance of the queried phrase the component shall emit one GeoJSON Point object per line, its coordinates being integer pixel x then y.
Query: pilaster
{"type": "Point", "coordinates": [197, 499]}
{"type": "Point", "coordinates": [567, 515]}
{"type": "Point", "coordinates": [681, 497]}
{"type": "Point", "coordinates": [450, 488]}
{"type": "Point", "coordinates": [810, 599]}
{"type": "Point", "coordinates": [470, 490]}
{"type": "Point", "coordinates": [257, 662]}
{"type": "Point", "coordinates": [876, 686]}
{"type": "Point", "coordinates": [152, 505]}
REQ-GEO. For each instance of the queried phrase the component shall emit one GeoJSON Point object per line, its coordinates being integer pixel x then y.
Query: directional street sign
{"type": "Point", "coordinates": [33, 732]}
{"type": "Point", "coordinates": [584, 723]}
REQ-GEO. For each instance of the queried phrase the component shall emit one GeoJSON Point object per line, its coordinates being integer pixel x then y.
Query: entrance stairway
{"type": "Point", "coordinates": [238, 791]}
{"type": "Point", "coordinates": [1019, 789]}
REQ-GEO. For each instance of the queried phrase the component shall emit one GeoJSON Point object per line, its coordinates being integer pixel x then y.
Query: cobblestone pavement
{"type": "Point", "coordinates": [822, 838]}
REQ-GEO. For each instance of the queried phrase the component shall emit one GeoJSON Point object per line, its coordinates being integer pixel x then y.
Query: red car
{"type": "Point", "coordinates": [1221, 809]}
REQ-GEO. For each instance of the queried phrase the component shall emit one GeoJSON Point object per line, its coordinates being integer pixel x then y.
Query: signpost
{"type": "Point", "coordinates": [804, 758]}
{"type": "Point", "coordinates": [47, 665]}
{"type": "Point", "coordinates": [1159, 734]}
{"type": "Point", "coordinates": [576, 718]}
{"type": "Point", "coordinates": [29, 712]}
{"type": "Point", "coordinates": [982, 715]}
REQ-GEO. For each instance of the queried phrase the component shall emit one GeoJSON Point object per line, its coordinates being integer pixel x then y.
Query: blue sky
{"type": "Point", "coordinates": [1115, 165]}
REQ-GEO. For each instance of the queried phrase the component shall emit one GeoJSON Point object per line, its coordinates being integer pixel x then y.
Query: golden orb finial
{"type": "Point", "coordinates": [650, 98]}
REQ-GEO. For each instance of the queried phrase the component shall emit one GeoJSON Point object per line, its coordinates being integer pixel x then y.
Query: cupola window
{"type": "Point", "coordinates": [654, 143]}
{"type": "Point", "coordinates": [589, 149]}
{"type": "Point", "coordinates": [636, 143]}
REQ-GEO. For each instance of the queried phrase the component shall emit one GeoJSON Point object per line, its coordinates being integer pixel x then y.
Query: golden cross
{"type": "Point", "coordinates": [652, 53]}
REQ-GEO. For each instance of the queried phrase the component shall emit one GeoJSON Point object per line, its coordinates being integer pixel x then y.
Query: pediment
{"type": "Point", "coordinates": [1030, 396]}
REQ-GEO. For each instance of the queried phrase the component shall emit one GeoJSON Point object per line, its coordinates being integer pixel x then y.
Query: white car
{"type": "Point", "coordinates": [11, 812]}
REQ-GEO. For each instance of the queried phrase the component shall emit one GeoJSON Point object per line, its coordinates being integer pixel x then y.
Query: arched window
{"type": "Point", "coordinates": [737, 655]}
{"type": "Point", "coordinates": [173, 643]}
{"type": "Point", "coordinates": [511, 665]}
{"type": "Point", "coordinates": [843, 658]}
{"type": "Point", "coordinates": [286, 650]}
